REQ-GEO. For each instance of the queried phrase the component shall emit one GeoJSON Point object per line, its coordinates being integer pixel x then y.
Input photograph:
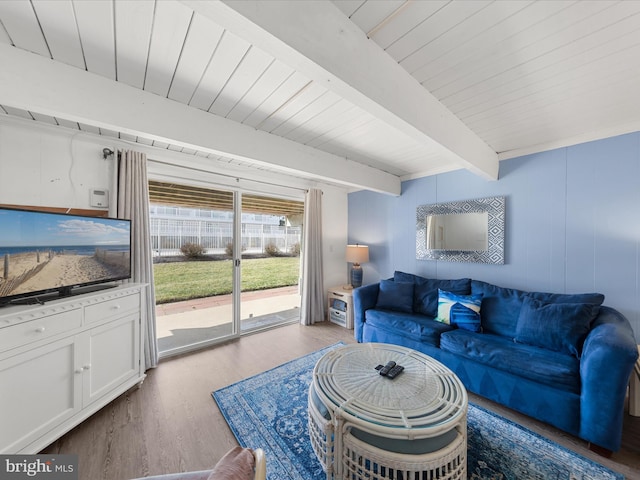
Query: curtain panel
{"type": "Point", "coordinates": [312, 308]}
{"type": "Point", "coordinates": [133, 204]}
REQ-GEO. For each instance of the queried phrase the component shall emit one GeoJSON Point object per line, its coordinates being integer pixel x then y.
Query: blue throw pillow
{"type": "Point", "coordinates": [561, 327]}
{"type": "Point", "coordinates": [395, 296]}
{"type": "Point", "coordinates": [462, 311]}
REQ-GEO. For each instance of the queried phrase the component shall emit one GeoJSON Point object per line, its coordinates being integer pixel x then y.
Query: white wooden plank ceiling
{"type": "Point", "coordinates": [523, 75]}
{"type": "Point", "coordinates": [401, 90]}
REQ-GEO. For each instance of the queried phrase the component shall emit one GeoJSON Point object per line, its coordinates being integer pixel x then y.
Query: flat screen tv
{"type": "Point", "coordinates": [52, 253]}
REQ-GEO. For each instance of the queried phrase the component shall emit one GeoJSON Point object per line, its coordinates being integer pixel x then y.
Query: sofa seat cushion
{"type": "Point", "coordinates": [425, 294]}
{"type": "Point", "coordinates": [409, 325]}
{"type": "Point", "coordinates": [544, 366]}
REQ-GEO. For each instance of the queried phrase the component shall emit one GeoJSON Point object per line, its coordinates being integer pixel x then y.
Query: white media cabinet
{"type": "Point", "coordinates": [62, 361]}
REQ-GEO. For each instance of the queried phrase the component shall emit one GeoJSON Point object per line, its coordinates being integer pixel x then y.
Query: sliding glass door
{"type": "Point", "coordinates": [193, 232]}
{"type": "Point", "coordinates": [270, 237]}
{"type": "Point", "coordinates": [225, 263]}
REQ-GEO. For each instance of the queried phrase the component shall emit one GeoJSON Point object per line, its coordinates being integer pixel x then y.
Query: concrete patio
{"type": "Point", "coordinates": [184, 323]}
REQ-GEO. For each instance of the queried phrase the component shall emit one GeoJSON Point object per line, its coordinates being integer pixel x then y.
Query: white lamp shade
{"type": "Point", "coordinates": [357, 253]}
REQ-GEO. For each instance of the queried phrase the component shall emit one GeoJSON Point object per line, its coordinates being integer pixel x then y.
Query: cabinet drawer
{"type": "Point", "coordinates": [35, 330]}
{"type": "Point", "coordinates": [111, 308]}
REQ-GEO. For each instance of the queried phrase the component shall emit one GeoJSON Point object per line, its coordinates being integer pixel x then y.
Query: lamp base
{"type": "Point", "coordinates": [356, 276]}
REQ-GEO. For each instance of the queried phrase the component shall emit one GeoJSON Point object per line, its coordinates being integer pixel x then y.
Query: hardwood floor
{"type": "Point", "coordinates": [172, 424]}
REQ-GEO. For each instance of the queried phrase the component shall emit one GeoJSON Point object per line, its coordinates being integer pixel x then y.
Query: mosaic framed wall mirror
{"type": "Point", "coordinates": [466, 231]}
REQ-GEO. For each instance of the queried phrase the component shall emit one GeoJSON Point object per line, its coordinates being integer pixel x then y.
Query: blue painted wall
{"type": "Point", "coordinates": [572, 223]}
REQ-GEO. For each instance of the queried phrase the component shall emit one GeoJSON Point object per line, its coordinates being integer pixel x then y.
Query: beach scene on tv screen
{"type": "Point", "coordinates": [40, 251]}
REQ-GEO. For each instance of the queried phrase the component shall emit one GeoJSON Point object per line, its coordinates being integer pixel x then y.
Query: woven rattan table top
{"type": "Point", "coordinates": [425, 396]}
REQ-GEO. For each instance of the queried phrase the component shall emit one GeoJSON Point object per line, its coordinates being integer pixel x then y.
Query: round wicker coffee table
{"type": "Point", "coordinates": [364, 425]}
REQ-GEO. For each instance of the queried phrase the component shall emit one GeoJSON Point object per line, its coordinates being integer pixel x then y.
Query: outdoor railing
{"type": "Point", "coordinates": [168, 236]}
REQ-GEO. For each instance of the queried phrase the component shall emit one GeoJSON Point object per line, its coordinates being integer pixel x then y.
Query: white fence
{"type": "Point", "coordinates": [168, 235]}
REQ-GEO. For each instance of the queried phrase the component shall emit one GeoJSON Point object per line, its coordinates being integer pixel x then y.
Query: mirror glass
{"type": "Point", "coordinates": [466, 231]}
{"type": "Point", "coordinates": [463, 231]}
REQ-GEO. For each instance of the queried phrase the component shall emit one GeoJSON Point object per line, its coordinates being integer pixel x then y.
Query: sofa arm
{"type": "Point", "coordinates": [608, 356]}
{"type": "Point", "coordinates": [363, 298]}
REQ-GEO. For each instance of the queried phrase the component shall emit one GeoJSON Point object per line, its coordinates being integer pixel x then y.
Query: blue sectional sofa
{"type": "Point", "coordinates": [564, 359]}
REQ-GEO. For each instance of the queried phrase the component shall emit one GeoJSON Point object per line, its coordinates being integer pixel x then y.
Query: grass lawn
{"type": "Point", "coordinates": [186, 280]}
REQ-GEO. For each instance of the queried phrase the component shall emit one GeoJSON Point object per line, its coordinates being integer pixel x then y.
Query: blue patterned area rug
{"type": "Point", "coordinates": [269, 411]}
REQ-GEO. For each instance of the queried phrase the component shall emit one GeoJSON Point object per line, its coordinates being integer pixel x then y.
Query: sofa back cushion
{"type": "Point", "coordinates": [561, 327]}
{"type": "Point", "coordinates": [396, 296]}
{"type": "Point", "coordinates": [501, 306]}
{"type": "Point", "coordinates": [425, 293]}
{"type": "Point", "coordinates": [590, 298]}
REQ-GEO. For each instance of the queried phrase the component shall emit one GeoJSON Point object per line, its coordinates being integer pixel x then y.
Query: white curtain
{"type": "Point", "coordinates": [312, 309]}
{"type": "Point", "coordinates": [133, 204]}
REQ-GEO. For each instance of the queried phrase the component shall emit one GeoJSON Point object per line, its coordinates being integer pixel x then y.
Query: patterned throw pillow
{"type": "Point", "coordinates": [462, 311]}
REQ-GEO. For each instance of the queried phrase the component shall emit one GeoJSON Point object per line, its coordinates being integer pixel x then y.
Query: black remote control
{"type": "Point", "coordinates": [395, 371]}
{"type": "Point", "coordinates": [384, 370]}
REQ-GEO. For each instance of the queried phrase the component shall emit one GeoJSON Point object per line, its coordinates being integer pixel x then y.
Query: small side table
{"type": "Point", "coordinates": [634, 389]}
{"type": "Point", "coordinates": [340, 309]}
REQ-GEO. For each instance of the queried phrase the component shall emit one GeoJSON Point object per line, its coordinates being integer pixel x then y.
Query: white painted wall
{"type": "Point", "coordinates": [48, 166]}
{"type": "Point", "coordinates": [42, 165]}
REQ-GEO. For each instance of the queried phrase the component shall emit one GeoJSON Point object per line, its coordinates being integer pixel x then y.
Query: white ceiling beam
{"type": "Point", "coordinates": [318, 40]}
{"type": "Point", "coordinates": [35, 83]}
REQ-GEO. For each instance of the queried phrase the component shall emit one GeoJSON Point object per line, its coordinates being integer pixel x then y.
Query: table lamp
{"type": "Point", "coordinates": [357, 254]}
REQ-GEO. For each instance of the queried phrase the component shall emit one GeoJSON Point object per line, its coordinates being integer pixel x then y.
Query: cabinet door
{"type": "Point", "coordinates": [112, 356]}
{"type": "Point", "coordinates": [40, 390]}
